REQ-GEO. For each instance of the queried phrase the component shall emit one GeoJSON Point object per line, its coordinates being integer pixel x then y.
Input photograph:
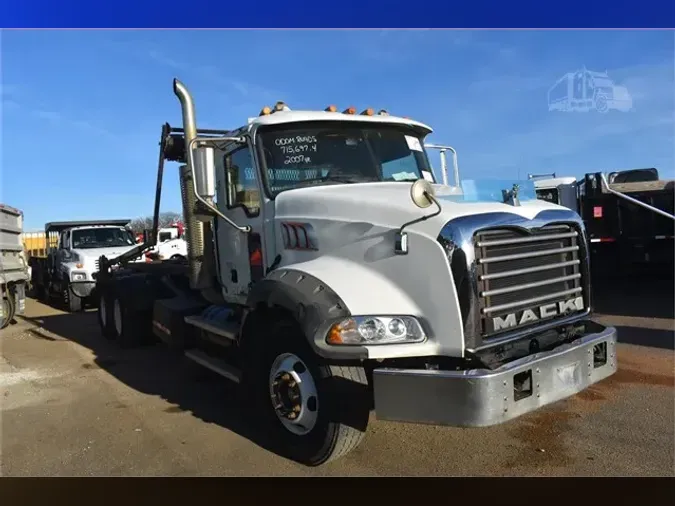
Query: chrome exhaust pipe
{"type": "Point", "coordinates": [199, 279]}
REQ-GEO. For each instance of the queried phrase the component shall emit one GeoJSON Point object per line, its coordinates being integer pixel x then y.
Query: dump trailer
{"type": "Point", "coordinates": [65, 273]}
{"type": "Point", "coordinates": [13, 266]}
{"type": "Point", "coordinates": [629, 216]}
{"type": "Point", "coordinates": [330, 276]}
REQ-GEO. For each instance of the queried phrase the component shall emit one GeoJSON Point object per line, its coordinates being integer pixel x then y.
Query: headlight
{"type": "Point", "coordinates": [376, 330]}
{"type": "Point", "coordinates": [79, 276]}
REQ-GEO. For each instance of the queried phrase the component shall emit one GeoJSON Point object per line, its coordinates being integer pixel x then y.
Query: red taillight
{"type": "Point", "coordinates": [597, 211]}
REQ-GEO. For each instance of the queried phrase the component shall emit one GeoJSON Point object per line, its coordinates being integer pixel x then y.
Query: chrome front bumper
{"type": "Point", "coordinates": [481, 397]}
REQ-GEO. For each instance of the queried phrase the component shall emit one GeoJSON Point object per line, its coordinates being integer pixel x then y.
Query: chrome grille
{"type": "Point", "coordinates": [524, 277]}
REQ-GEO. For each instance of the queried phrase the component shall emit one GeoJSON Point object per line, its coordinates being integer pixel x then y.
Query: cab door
{"type": "Point", "coordinates": [239, 195]}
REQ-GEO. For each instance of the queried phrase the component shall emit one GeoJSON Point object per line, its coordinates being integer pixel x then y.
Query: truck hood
{"type": "Point", "coordinates": [98, 252]}
{"type": "Point", "coordinates": [388, 204]}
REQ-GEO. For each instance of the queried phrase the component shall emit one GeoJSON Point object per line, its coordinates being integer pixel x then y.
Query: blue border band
{"type": "Point", "coordinates": [342, 14]}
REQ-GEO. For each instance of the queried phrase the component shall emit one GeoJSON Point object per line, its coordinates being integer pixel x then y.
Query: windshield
{"type": "Point", "coordinates": [334, 153]}
{"type": "Point", "coordinates": [102, 238]}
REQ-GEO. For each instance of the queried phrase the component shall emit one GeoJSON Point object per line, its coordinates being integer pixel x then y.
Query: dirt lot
{"type": "Point", "coordinates": [72, 405]}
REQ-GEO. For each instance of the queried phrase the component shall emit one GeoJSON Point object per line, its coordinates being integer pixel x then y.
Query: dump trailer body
{"type": "Point", "coordinates": [13, 265]}
{"type": "Point", "coordinates": [624, 234]}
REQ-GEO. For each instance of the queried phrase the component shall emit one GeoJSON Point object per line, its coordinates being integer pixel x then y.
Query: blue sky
{"type": "Point", "coordinates": [82, 110]}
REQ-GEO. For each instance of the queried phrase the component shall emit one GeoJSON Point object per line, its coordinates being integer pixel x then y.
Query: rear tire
{"type": "Point", "coordinates": [131, 327]}
{"type": "Point", "coordinates": [321, 411]}
{"type": "Point", "coordinates": [105, 317]}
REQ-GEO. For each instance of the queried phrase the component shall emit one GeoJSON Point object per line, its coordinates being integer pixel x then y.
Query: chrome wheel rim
{"type": "Point", "coordinates": [294, 394]}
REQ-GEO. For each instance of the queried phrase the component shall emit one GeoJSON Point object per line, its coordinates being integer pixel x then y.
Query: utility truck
{"type": "Point", "coordinates": [13, 266]}
{"type": "Point", "coordinates": [66, 272]}
{"type": "Point", "coordinates": [329, 275]}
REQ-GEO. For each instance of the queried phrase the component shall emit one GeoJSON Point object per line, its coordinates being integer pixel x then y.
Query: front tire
{"type": "Point", "coordinates": [73, 302]}
{"type": "Point", "coordinates": [314, 412]}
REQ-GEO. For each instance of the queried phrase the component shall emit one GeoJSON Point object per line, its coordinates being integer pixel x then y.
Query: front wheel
{"type": "Point", "coordinates": [314, 412]}
{"type": "Point", "coordinates": [73, 302]}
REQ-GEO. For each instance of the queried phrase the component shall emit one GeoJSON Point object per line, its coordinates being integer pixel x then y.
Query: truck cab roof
{"type": "Point", "coordinates": [59, 226]}
{"type": "Point", "coordinates": [281, 117]}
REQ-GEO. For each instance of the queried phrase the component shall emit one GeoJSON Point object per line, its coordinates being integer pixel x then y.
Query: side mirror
{"type": "Point", "coordinates": [205, 171]}
{"type": "Point", "coordinates": [423, 195]}
{"type": "Point", "coordinates": [420, 191]}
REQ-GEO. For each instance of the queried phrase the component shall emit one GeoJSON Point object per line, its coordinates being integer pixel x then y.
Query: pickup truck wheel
{"type": "Point", "coordinates": [314, 412]}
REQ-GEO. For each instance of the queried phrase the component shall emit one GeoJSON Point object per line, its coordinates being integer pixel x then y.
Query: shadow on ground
{"type": "Point", "coordinates": [646, 296]}
{"type": "Point", "coordinates": [155, 370]}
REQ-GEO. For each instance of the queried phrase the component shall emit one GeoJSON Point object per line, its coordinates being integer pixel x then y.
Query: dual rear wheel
{"type": "Point", "coordinates": [119, 322]}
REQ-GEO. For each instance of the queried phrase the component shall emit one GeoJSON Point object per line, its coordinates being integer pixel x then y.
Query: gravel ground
{"type": "Point", "coordinates": [71, 404]}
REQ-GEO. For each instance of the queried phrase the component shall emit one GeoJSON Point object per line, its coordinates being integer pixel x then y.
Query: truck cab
{"type": "Point", "coordinates": [558, 190]}
{"type": "Point", "coordinates": [329, 275]}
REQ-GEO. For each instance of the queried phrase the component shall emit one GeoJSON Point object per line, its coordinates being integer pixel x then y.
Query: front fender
{"type": "Point", "coordinates": [322, 291]}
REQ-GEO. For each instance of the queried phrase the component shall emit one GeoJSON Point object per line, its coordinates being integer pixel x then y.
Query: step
{"type": "Point", "coordinates": [217, 365]}
{"type": "Point", "coordinates": [228, 330]}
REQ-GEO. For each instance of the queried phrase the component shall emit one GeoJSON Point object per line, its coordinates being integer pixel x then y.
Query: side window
{"type": "Point", "coordinates": [242, 182]}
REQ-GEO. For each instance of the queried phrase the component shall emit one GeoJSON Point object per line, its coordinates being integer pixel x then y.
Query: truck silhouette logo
{"type": "Point", "coordinates": [586, 90]}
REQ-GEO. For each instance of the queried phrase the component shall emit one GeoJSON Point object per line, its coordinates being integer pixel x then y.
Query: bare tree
{"type": "Point", "coordinates": [145, 223]}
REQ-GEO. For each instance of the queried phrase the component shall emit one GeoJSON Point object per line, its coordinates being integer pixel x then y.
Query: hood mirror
{"type": "Point", "coordinates": [422, 194]}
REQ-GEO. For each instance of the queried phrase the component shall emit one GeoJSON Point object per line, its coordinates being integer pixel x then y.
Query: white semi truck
{"type": "Point", "coordinates": [329, 275]}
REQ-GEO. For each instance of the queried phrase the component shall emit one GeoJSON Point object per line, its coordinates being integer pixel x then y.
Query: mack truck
{"type": "Point", "coordinates": [330, 276]}
{"type": "Point", "coordinates": [14, 274]}
{"type": "Point", "coordinates": [73, 248]}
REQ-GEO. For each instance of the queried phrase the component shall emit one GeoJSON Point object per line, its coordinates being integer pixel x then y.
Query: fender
{"type": "Point", "coordinates": [319, 292]}
{"type": "Point", "coordinates": [311, 302]}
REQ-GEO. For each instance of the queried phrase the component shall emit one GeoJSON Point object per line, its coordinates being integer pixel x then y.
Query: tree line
{"type": "Point", "coordinates": [145, 223]}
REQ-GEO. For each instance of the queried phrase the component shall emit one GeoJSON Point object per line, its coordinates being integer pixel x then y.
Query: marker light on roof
{"type": "Point", "coordinates": [382, 112]}
{"type": "Point", "coordinates": [265, 111]}
{"type": "Point", "coordinates": [368, 112]}
{"type": "Point", "coordinates": [281, 106]}
{"type": "Point", "coordinates": [349, 110]}
{"type": "Point", "coordinates": [331, 108]}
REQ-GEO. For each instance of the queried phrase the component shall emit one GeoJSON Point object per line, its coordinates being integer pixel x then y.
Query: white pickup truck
{"type": "Point", "coordinates": [13, 266]}
{"type": "Point", "coordinates": [170, 245]}
{"type": "Point", "coordinates": [73, 252]}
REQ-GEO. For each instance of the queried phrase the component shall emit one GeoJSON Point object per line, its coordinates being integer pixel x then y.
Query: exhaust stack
{"type": "Point", "coordinates": [199, 278]}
